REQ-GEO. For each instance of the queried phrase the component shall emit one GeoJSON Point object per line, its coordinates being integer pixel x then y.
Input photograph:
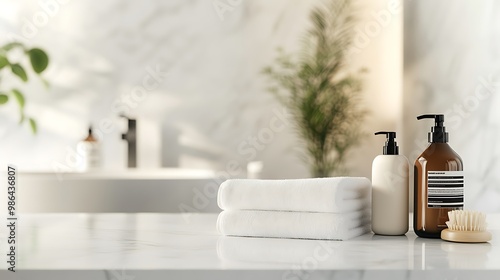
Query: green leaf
{"type": "Point", "coordinates": [33, 125]}
{"type": "Point", "coordinates": [19, 97]}
{"type": "Point", "coordinates": [23, 117]}
{"type": "Point", "coordinates": [3, 99]}
{"type": "Point", "coordinates": [19, 71]}
{"type": "Point", "coordinates": [12, 45]}
{"type": "Point", "coordinates": [3, 61]}
{"type": "Point", "coordinates": [39, 60]}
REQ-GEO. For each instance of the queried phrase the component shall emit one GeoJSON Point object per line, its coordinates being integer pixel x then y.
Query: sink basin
{"type": "Point", "coordinates": [129, 174]}
{"type": "Point", "coordinates": [167, 190]}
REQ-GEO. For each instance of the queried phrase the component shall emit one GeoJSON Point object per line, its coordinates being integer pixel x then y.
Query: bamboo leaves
{"type": "Point", "coordinates": [321, 94]}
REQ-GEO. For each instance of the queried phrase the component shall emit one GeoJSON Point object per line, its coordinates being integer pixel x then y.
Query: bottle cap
{"type": "Point", "coordinates": [438, 132]}
{"type": "Point", "coordinates": [391, 146]}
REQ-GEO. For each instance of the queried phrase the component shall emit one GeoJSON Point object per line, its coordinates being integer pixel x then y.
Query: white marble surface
{"type": "Point", "coordinates": [190, 242]}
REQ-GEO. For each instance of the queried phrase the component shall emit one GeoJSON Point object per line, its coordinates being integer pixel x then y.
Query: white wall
{"type": "Point", "coordinates": [452, 66]}
{"type": "Point", "coordinates": [212, 98]}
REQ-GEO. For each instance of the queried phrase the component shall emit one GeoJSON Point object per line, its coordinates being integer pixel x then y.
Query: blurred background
{"type": "Point", "coordinates": [189, 73]}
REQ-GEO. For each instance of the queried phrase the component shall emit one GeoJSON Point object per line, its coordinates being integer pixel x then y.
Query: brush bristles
{"type": "Point", "coordinates": [463, 220]}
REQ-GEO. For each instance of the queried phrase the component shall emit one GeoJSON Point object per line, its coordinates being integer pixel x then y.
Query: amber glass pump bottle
{"type": "Point", "coordinates": [439, 182]}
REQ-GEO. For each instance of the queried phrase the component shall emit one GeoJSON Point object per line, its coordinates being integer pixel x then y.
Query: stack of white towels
{"type": "Point", "coordinates": [321, 208]}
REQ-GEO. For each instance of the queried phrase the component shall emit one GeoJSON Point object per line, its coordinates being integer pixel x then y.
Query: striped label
{"type": "Point", "coordinates": [445, 189]}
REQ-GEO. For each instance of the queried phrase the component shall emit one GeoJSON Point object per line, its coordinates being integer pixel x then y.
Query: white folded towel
{"type": "Point", "coordinates": [281, 224]}
{"type": "Point", "coordinates": [330, 195]}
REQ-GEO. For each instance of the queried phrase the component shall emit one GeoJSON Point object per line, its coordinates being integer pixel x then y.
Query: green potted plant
{"type": "Point", "coordinates": [39, 62]}
{"type": "Point", "coordinates": [318, 90]}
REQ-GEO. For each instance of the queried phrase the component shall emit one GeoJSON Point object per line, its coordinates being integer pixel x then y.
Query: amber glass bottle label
{"type": "Point", "coordinates": [445, 189]}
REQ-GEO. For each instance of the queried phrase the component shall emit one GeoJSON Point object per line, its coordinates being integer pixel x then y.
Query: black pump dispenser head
{"type": "Point", "coordinates": [391, 147]}
{"type": "Point", "coordinates": [438, 133]}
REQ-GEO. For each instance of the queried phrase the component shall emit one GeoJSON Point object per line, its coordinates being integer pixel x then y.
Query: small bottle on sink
{"type": "Point", "coordinates": [89, 153]}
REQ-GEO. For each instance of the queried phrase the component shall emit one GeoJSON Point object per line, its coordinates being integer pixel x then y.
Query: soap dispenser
{"type": "Point", "coordinates": [390, 189]}
{"type": "Point", "coordinates": [438, 182]}
{"type": "Point", "coordinates": [89, 151]}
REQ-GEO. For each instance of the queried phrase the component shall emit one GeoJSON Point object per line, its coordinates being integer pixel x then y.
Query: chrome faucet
{"type": "Point", "coordinates": [131, 137]}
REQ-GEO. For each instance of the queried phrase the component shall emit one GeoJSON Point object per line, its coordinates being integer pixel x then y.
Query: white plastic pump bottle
{"type": "Point", "coordinates": [390, 188]}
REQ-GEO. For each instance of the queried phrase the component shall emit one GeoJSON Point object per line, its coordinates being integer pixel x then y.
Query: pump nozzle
{"type": "Point", "coordinates": [438, 133]}
{"type": "Point", "coordinates": [391, 147]}
{"type": "Point", "coordinates": [438, 118]}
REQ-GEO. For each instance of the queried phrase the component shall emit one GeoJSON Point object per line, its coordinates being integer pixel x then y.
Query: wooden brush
{"type": "Point", "coordinates": [466, 226]}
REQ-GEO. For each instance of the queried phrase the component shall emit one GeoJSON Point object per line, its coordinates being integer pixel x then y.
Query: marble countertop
{"type": "Point", "coordinates": [190, 242]}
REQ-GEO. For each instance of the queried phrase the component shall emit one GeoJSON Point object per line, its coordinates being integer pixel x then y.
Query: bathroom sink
{"type": "Point", "coordinates": [129, 174]}
{"type": "Point", "coordinates": [167, 190]}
